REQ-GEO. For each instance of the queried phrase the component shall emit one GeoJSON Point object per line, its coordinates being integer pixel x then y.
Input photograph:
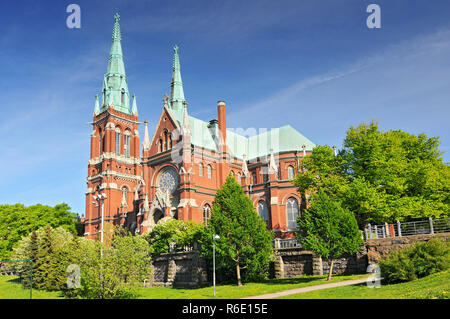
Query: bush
{"type": "Point", "coordinates": [175, 231]}
{"type": "Point", "coordinates": [416, 261]}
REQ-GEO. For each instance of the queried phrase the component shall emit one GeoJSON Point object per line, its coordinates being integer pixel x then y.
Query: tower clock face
{"type": "Point", "coordinates": [168, 180]}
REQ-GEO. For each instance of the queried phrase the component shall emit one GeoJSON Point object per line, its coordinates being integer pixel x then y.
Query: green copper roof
{"type": "Point", "coordinates": [282, 139]}
{"type": "Point", "coordinates": [176, 98]}
{"type": "Point", "coordinates": [115, 86]}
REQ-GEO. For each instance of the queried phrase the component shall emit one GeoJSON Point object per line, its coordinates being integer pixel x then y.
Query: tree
{"type": "Point", "coordinates": [166, 232]}
{"type": "Point", "coordinates": [17, 221]}
{"type": "Point", "coordinates": [381, 176]}
{"type": "Point", "coordinates": [118, 271]}
{"type": "Point", "coordinates": [245, 243]}
{"type": "Point", "coordinates": [328, 230]}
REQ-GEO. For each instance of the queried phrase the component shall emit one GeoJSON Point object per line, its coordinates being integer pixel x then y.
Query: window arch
{"type": "Point", "coordinates": [118, 136]}
{"type": "Point", "coordinates": [263, 211]}
{"type": "Point", "coordinates": [255, 181]}
{"type": "Point", "coordinates": [200, 169]}
{"type": "Point", "coordinates": [292, 213]}
{"type": "Point", "coordinates": [166, 141]}
{"type": "Point", "coordinates": [124, 197]}
{"type": "Point", "coordinates": [160, 145]}
{"type": "Point", "coordinates": [127, 143]}
{"type": "Point", "coordinates": [208, 170]}
{"type": "Point", "coordinates": [290, 172]}
{"type": "Point", "coordinates": [206, 213]}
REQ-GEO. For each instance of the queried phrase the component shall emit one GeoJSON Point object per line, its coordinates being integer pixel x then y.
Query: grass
{"type": "Point", "coordinates": [11, 288]}
{"type": "Point", "coordinates": [435, 286]}
{"type": "Point", "coordinates": [247, 290]}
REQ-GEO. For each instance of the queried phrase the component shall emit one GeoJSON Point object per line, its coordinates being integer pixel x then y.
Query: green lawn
{"type": "Point", "coordinates": [11, 288]}
{"type": "Point", "coordinates": [430, 287]}
{"type": "Point", "coordinates": [234, 292]}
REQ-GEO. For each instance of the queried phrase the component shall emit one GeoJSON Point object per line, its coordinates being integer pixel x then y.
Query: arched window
{"type": "Point", "coordinates": [263, 211]}
{"type": "Point", "coordinates": [208, 170]}
{"type": "Point", "coordinates": [265, 176]}
{"type": "Point", "coordinates": [166, 141]}
{"type": "Point", "coordinates": [255, 181]}
{"type": "Point", "coordinates": [160, 145]}
{"type": "Point", "coordinates": [124, 197]}
{"type": "Point", "coordinates": [206, 213]}
{"type": "Point", "coordinates": [292, 213]}
{"type": "Point", "coordinates": [127, 143]}
{"type": "Point", "coordinates": [200, 169]}
{"type": "Point", "coordinates": [290, 172]}
{"type": "Point", "coordinates": [170, 141]}
{"type": "Point", "coordinates": [118, 150]}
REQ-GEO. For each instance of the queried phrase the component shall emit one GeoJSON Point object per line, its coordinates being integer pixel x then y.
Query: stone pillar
{"type": "Point", "coordinates": [171, 272]}
{"type": "Point", "coordinates": [279, 267]}
{"type": "Point", "coordinates": [317, 266]}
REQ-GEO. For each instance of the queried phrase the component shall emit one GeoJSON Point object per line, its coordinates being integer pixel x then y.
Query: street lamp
{"type": "Point", "coordinates": [100, 202]}
{"type": "Point", "coordinates": [214, 262]}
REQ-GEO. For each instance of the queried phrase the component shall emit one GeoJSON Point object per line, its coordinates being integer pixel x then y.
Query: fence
{"type": "Point", "coordinates": [280, 243]}
{"type": "Point", "coordinates": [398, 229]}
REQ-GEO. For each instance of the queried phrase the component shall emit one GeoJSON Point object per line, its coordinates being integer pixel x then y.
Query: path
{"type": "Point", "coordinates": [310, 288]}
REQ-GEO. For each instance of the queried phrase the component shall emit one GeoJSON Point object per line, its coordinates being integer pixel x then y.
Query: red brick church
{"type": "Point", "coordinates": [184, 162]}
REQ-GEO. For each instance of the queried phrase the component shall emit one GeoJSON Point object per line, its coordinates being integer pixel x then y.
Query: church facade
{"type": "Point", "coordinates": [184, 162]}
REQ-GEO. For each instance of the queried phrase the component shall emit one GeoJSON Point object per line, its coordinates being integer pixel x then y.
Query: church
{"type": "Point", "coordinates": [183, 162]}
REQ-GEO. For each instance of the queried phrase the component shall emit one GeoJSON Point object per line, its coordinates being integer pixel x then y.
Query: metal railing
{"type": "Point", "coordinates": [398, 229]}
{"type": "Point", "coordinates": [280, 243]}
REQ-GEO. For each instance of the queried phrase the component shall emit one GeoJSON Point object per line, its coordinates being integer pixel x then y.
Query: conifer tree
{"type": "Point", "coordinates": [245, 242]}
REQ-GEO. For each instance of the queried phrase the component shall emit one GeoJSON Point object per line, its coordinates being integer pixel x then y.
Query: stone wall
{"type": "Point", "coordinates": [380, 247]}
{"type": "Point", "coordinates": [292, 262]}
{"type": "Point", "coordinates": [181, 269]}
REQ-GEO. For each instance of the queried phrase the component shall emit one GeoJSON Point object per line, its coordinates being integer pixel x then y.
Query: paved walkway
{"type": "Point", "coordinates": [310, 288]}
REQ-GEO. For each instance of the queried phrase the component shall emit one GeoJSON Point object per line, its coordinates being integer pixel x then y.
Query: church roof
{"type": "Point", "coordinates": [282, 139]}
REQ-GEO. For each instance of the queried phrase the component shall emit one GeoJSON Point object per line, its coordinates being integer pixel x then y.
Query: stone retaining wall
{"type": "Point", "coordinates": [181, 269]}
{"type": "Point", "coordinates": [380, 247]}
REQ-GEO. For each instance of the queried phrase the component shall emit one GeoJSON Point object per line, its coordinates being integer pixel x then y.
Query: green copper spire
{"type": "Point", "coordinates": [115, 87]}
{"type": "Point", "coordinates": [97, 106]}
{"type": "Point", "coordinates": [176, 88]}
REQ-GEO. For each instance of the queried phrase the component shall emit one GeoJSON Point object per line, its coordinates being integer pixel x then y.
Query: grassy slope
{"type": "Point", "coordinates": [11, 288]}
{"type": "Point", "coordinates": [430, 287]}
{"type": "Point", "coordinates": [234, 292]}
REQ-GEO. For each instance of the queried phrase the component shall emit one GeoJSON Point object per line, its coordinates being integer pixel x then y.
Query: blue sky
{"type": "Point", "coordinates": [312, 64]}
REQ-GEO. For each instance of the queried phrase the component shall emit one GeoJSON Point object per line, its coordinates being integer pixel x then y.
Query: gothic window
{"type": "Point", "coordinates": [118, 150]}
{"type": "Point", "coordinates": [292, 213]}
{"type": "Point", "coordinates": [208, 170]}
{"type": "Point", "coordinates": [290, 173]}
{"type": "Point", "coordinates": [206, 213]}
{"type": "Point", "coordinates": [263, 211]}
{"type": "Point", "coordinates": [127, 144]}
{"type": "Point", "coordinates": [166, 141]}
{"type": "Point", "coordinates": [254, 178]}
{"type": "Point", "coordinates": [160, 145]}
{"type": "Point", "coordinates": [170, 141]}
{"type": "Point", "coordinates": [265, 176]}
{"type": "Point", "coordinates": [200, 169]}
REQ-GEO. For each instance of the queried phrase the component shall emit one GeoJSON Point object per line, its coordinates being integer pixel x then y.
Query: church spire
{"type": "Point", "coordinates": [115, 87]}
{"type": "Point", "coordinates": [176, 88]}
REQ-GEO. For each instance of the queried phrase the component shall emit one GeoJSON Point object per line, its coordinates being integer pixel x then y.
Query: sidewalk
{"type": "Point", "coordinates": [310, 288]}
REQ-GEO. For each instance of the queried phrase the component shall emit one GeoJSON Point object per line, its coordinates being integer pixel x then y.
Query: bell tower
{"type": "Point", "coordinates": [114, 167]}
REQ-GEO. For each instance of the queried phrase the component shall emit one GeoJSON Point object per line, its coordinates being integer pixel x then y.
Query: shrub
{"type": "Point", "coordinates": [175, 231]}
{"type": "Point", "coordinates": [416, 261]}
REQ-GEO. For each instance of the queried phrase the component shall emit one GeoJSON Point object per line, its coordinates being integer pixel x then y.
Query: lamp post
{"type": "Point", "coordinates": [99, 200]}
{"type": "Point", "coordinates": [214, 262]}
